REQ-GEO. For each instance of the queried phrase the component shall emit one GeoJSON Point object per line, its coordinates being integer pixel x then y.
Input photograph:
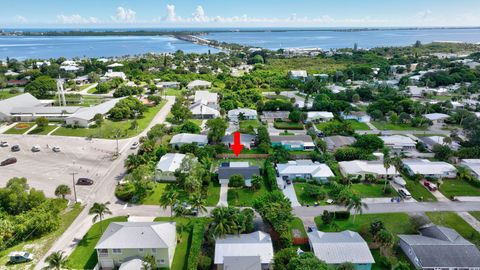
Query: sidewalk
{"type": "Point", "coordinates": [470, 220]}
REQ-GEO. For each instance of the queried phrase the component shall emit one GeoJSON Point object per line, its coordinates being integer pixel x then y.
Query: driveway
{"type": "Point", "coordinates": [437, 194]}
{"type": "Point", "coordinates": [289, 192]}
{"type": "Point", "coordinates": [223, 195]}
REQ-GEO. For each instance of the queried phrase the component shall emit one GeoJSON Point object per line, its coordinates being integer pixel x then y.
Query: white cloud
{"type": "Point", "coordinates": [423, 15]}
{"type": "Point", "coordinates": [76, 19]}
{"type": "Point", "coordinates": [124, 15]}
{"type": "Point", "coordinates": [199, 15]}
{"type": "Point", "coordinates": [171, 14]}
{"type": "Point", "coordinates": [21, 19]}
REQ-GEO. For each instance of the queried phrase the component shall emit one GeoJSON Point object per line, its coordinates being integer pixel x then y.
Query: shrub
{"type": "Point", "coordinates": [342, 215]}
{"type": "Point", "coordinates": [285, 240]}
{"type": "Point", "coordinates": [198, 231]}
{"type": "Point", "coordinates": [270, 176]}
{"type": "Point", "coordinates": [125, 192]}
{"type": "Point", "coordinates": [236, 180]}
{"type": "Point", "coordinates": [315, 192]}
{"type": "Point", "coordinates": [204, 262]}
{"type": "Point", "coordinates": [388, 190]}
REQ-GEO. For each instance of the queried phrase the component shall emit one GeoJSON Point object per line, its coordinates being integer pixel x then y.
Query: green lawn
{"type": "Point", "coordinates": [357, 125]}
{"type": "Point", "coordinates": [20, 128]}
{"type": "Point", "coordinates": [84, 255]}
{"type": "Point", "coordinates": [288, 125]}
{"type": "Point", "coordinates": [419, 192]}
{"type": "Point", "coordinates": [457, 187]}
{"type": "Point", "coordinates": [286, 133]}
{"type": "Point", "coordinates": [154, 197]}
{"type": "Point", "coordinates": [198, 122]}
{"type": "Point", "coordinates": [247, 123]}
{"type": "Point", "coordinates": [297, 224]}
{"type": "Point", "coordinates": [390, 126]}
{"type": "Point", "coordinates": [4, 94]}
{"type": "Point", "coordinates": [476, 215]}
{"type": "Point", "coordinates": [454, 221]}
{"type": "Point", "coordinates": [42, 131]}
{"type": "Point", "coordinates": [371, 191]}
{"type": "Point", "coordinates": [213, 194]}
{"type": "Point", "coordinates": [92, 90]}
{"type": "Point", "coordinates": [39, 247]}
{"type": "Point", "coordinates": [108, 127]}
{"type": "Point", "coordinates": [303, 199]}
{"type": "Point", "coordinates": [244, 196]}
{"type": "Point", "coordinates": [173, 92]}
{"type": "Point", "coordinates": [85, 86]}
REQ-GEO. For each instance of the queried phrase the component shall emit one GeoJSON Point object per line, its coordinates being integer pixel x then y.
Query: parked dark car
{"type": "Point", "coordinates": [15, 148]}
{"type": "Point", "coordinates": [84, 181]}
{"type": "Point", "coordinates": [3, 144]}
{"type": "Point", "coordinates": [8, 161]}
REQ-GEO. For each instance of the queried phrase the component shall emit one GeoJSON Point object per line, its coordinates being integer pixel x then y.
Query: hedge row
{"type": "Point", "coordinates": [270, 176]}
{"type": "Point", "coordinates": [198, 231]}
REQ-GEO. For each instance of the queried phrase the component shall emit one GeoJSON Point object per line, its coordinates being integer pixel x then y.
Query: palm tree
{"type": "Point", "coordinates": [223, 222]}
{"type": "Point", "coordinates": [99, 210]}
{"type": "Point", "coordinates": [447, 140]}
{"type": "Point", "coordinates": [169, 198]}
{"type": "Point", "coordinates": [198, 203]}
{"type": "Point", "coordinates": [56, 260]}
{"type": "Point", "coordinates": [397, 164]}
{"type": "Point", "coordinates": [387, 162]}
{"type": "Point", "coordinates": [355, 203]}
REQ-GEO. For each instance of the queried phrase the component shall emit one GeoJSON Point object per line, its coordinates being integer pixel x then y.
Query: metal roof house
{"type": "Point", "coordinates": [438, 247]}
{"type": "Point", "coordinates": [199, 84]}
{"type": "Point", "coordinates": [188, 138]}
{"type": "Point", "coordinates": [398, 143]}
{"type": "Point", "coordinates": [167, 165]}
{"type": "Point", "coordinates": [335, 142]}
{"type": "Point", "coordinates": [252, 251]}
{"type": "Point", "coordinates": [293, 142]}
{"type": "Point", "coordinates": [201, 110]}
{"type": "Point", "coordinates": [427, 168]}
{"type": "Point", "coordinates": [336, 248]}
{"type": "Point", "coordinates": [124, 241]}
{"type": "Point", "coordinates": [473, 165]}
{"type": "Point", "coordinates": [319, 116]}
{"type": "Point", "coordinates": [360, 168]}
{"type": "Point", "coordinates": [305, 169]}
{"type": "Point", "coordinates": [248, 114]}
{"type": "Point", "coordinates": [247, 140]}
{"type": "Point", "coordinates": [84, 116]}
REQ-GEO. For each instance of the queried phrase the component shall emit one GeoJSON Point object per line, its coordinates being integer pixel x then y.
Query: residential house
{"type": "Point", "coordinates": [438, 247]}
{"type": "Point", "coordinates": [417, 91]}
{"type": "Point", "coordinates": [200, 110]}
{"type": "Point", "coordinates": [210, 99]}
{"type": "Point", "coordinates": [167, 165]}
{"type": "Point", "coordinates": [125, 241]}
{"type": "Point", "coordinates": [335, 142]}
{"type": "Point", "coordinates": [188, 138]}
{"type": "Point", "coordinates": [17, 82]}
{"type": "Point", "coordinates": [110, 74]}
{"type": "Point", "coordinates": [247, 140]}
{"type": "Point", "coordinates": [436, 118]}
{"type": "Point", "coordinates": [168, 85]}
{"type": "Point", "coordinates": [11, 73]}
{"type": "Point", "coordinates": [360, 168]}
{"type": "Point", "coordinates": [427, 168]}
{"type": "Point", "coordinates": [304, 169]}
{"type": "Point", "coordinates": [199, 84]}
{"type": "Point", "coordinates": [336, 88]}
{"type": "Point", "coordinates": [246, 114]}
{"type": "Point", "coordinates": [298, 75]}
{"type": "Point", "coordinates": [84, 116]}
{"type": "Point", "coordinates": [115, 65]}
{"type": "Point", "coordinates": [271, 116]}
{"type": "Point", "coordinates": [293, 142]}
{"type": "Point", "coordinates": [359, 116]}
{"type": "Point", "coordinates": [302, 104]}
{"type": "Point", "coordinates": [398, 143]}
{"type": "Point", "coordinates": [253, 251]}
{"type": "Point", "coordinates": [319, 116]}
{"type": "Point", "coordinates": [227, 169]}
{"type": "Point", "coordinates": [473, 165]}
{"type": "Point", "coordinates": [431, 141]}
{"type": "Point", "coordinates": [335, 248]}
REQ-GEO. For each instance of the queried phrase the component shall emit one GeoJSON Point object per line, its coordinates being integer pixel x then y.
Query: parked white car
{"type": "Point", "coordinates": [400, 181]}
{"type": "Point", "coordinates": [134, 145]}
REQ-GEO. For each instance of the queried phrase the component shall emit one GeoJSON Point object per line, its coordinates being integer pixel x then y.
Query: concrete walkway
{"type": "Point", "coordinates": [30, 129]}
{"type": "Point", "coordinates": [7, 127]}
{"type": "Point", "coordinates": [223, 195]}
{"type": "Point", "coordinates": [468, 198]}
{"type": "Point", "coordinates": [371, 126]}
{"type": "Point", "coordinates": [470, 220]}
{"type": "Point", "coordinates": [85, 91]}
{"type": "Point", "coordinates": [437, 194]}
{"type": "Point", "coordinates": [289, 192]}
{"type": "Point", "coordinates": [55, 129]}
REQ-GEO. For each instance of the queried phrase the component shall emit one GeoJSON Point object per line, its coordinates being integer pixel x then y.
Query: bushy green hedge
{"type": "Point", "coordinates": [341, 215]}
{"type": "Point", "coordinates": [125, 192]}
{"type": "Point", "coordinates": [198, 231]}
{"type": "Point", "coordinates": [270, 176]}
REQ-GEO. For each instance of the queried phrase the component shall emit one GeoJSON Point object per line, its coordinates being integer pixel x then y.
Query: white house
{"type": "Point", "coordinates": [200, 110]}
{"type": "Point", "coordinates": [207, 97]}
{"type": "Point", "coordinates": [473, 165]}
{"type": "Point", "coordinates": [167, 165]}
{"type": "Point", "coordinates": [84, 116]}
{"type": "Point", "coordinates": [319, 116]}
{"type": "Point", "coordinates": [23, 100]}
{"type": "Point", "coordinates": [427, 168]}
{"type": "Point", "coordinates": [304, 169]}
{"type": "Point", "coordinates": [335, 248]}
{"type": "Point", "coordinates": [248, 114]}
{"type": "Point", "coordinates": [115, 74]}
{"type": "Point", "coordinates": [188, 138]}
{"type": "Point", "coordinates": [398, 143]}
{"type": "Point", "coordinates": [361, 168]}
{"type": "Point", "coordinates": [359, 116]}
{"type": "Point", "coordinates": [436, 118]}
{"type": "Point", "coordinates": [431, 141]}
{"type": "Point", "coordinates": [199, 84]}
{"type": "Point", "coordinates": [244, 251]}
{"type": "Point", "coordinates": [167, 85]}
{"type": "Point", "coordinates": [114, 65]}
{"type": "Point", "coordinates": [298, 74]}
{"type": "Point", "coordinates": [227, 169]}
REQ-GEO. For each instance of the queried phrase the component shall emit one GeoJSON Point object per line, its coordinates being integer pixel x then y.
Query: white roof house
{"type": "Point", "coordinates": [187, 138]}
{"type": "Point", "coordinates": [11, 73]}
{"type": "Point", "coordinates": [427, 168]}
{"type": "Point", "coordinates": [206, 96]}
{"type": "Point", "coordinates": [398, 142]}
{"type": "Point", "coordinates": [84, 116]}
{"type": "Point", "coordinates": [319, 116]}
{"type": "Point", "coordinates": [70, 68]}
{"type": "Point", "coordinates": [199, 84]}
{"type": "Point", "coordinates": [436, 116]}
{"type": "Point", "coordinates": [363, 167]}
{"type": "Point", "coordinates": [340, 247]}
{"type": "Point", "coordinates": [255, 247]}
{"type": "Point", "coordinates": [115, 74]}
{"type": "Point", "coordinates": [69, 63]}
{"type": "Point", "coordinates": [305, 169]}
{"type": "Point", "coordinates": [114, 65]}
{"type": "Point", "coordinates": [201, 110]}
{"type": "Point", "coordinates": [23, 100]}
{"type": "Point", "coordinates": [473, 165]}
{"type": "Point", "coordinates": [247, 113]}
{"type": "Point", "coordinates": [430, 141]}
{"type": "Point", "coordinates": [167, 165]}
{"type": "Point", "coordinates": [298, 74]}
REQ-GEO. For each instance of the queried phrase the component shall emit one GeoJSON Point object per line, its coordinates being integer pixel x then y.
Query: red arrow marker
{"type": "Point", "coordinates": [237, 147]}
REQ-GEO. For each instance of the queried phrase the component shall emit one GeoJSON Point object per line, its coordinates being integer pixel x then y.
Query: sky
{"type": "Point", "coordinates": [237, 13]}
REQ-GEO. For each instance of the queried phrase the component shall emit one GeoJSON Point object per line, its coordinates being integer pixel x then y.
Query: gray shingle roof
{"type": "Point", "coordinates": [246, 172]}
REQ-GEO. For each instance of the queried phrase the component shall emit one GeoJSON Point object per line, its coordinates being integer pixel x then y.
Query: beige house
{"type": "Point", "coordinates": [124, 242]}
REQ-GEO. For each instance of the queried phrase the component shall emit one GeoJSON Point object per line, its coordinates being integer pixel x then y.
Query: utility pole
{"type": "Point", "coordinates": [73, 183]}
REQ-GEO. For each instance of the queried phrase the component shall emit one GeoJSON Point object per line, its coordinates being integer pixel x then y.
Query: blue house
{"type": "Point", "coordinates": [293, 142]}
{"type": "Point", "coordinates": [336, 248]}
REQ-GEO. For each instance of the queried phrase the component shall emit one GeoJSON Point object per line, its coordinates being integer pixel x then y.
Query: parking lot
{"type": "Point", "coordinates": [45, 170]}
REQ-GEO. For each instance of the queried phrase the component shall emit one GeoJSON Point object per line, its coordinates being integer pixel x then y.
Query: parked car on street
{"type": "Point", "coordinates": [20, 257]}
{"type": "Point", "coordinates": [36, 148]}
{"type": "Point", "coordinates": [431, 186]}
{"type": "Point", "coordinates": [134, 145]}
{"type": "Point", "coordinates": [400, 181]}
{"type": "Point", "coordinates": [56, 149]}
{"type": "Point", "coordinates": [15, 148]}
{"type": "Point", "coordinates": [84, 181]}
{"type": "Point", "coordinates": [8, 161]}
{"type": "Point", "coordinates": [3, 144]}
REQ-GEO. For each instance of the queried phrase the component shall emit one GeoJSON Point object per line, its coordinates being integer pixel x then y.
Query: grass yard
{"type": "Point", "coordinates": [244, 196]}
{"type": "Point", "coordinates": [297, 224]}
{"type": "Point", "coordinates": [20, 128]}
{"type": "Point", "coordinates": [172, 92]}
{"type": "Point", "coordinates": [358, 125]}
{"type": "Point", "coordinates": [454, 221]}
{"type": "Point", "coordinates": [197, 122]}
{"type": "Point", "coordinates": [154, 197]}
{"type": "Point", "coordinates": [84, 255]}
{"type": "Point", "coordinates": [244, 124]}
{"type": "Point", "coordinates": [92, 90]}
{"type": "Point", "coordinates": [42, 131]}
{"type": "Point", "coordinates": [310, 64]}
{"type": "Point", "coordinates": [213, 194]}
{"type": "Point", "coordinates": [419, 192]}
{"type": "Point", "coordinates": [286, 133]}
{"type": "Point", "coordinates": [39, 247]}
{"type": "Point", "coordinates": [89, 101]}
{"type": "Point", "coordinates": [107, 130]}
{"type": "Point", "coordinates": [288, 125]}
{"type": "Point", "coordinates": [371, 190]}
{"type": "Point", "coordinates": [4, 94]}
{"type": "Point", "coordinates": [85, 86]}
{"type": "Point", "coordinates": [390, 126]}
{"type": "Point", "coordinates": [457, 187]}
{"type": "Point", "coordinates": [303, 199]}
{"type": "Point", "coordinates": [476, 215]}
